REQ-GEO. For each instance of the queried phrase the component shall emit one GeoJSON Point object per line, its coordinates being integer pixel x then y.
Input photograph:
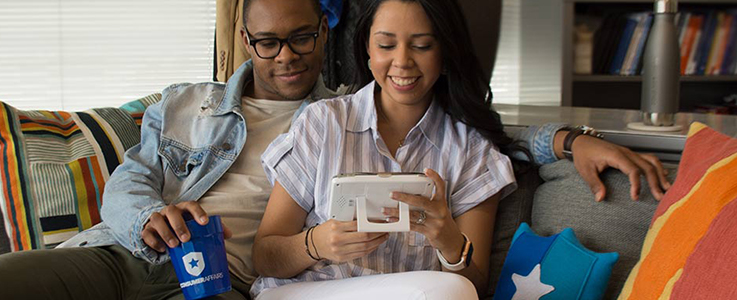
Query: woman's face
{"type": "Point", "coordinates": [405, 54]}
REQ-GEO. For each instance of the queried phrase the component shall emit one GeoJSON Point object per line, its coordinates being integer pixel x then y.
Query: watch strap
{"type": "Point", "coordinates": [568, 142]}
{"type": "Point", "coordinates": [466, 254]}
{"type": "Point", "coordinates": [575, 133]}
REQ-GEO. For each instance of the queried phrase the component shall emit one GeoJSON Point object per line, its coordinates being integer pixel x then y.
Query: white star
{"type": "Point", "coordinates": [529, 287]}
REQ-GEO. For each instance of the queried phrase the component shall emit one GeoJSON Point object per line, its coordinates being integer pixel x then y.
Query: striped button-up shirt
{"type": "Point", "coordinates": [340, 136]}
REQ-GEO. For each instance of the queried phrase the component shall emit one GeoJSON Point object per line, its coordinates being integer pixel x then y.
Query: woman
{"type": "Point", "coordinates": [428, 109]}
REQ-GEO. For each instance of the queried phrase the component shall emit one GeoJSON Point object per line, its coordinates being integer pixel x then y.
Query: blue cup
{"type": "Point", "coordinates": [201, 264]}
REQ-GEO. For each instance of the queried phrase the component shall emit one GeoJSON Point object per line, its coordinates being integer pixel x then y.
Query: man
{"type": "Point", "coordinates": [200, 154]}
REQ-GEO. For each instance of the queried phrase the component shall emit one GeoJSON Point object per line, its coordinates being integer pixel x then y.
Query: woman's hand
{"type": "Point", "coordinates": [339, 241]}
{"type": "Point", "coordinates": [434, 220]}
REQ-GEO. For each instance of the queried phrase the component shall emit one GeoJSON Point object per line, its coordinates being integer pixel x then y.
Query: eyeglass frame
{"type": "Point", "coordinates": [283, 41]}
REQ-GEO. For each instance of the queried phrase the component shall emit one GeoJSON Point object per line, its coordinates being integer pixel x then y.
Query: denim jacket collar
{"type": "Point", "coordinates": [231, 100]}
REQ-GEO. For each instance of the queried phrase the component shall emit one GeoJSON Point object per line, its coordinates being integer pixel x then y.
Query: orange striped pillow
{"type": "Point", "coordinates": [690, 249]}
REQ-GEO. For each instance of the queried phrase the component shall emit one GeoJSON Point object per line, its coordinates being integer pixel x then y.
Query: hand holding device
{"type": "Point", "coordinates": [339, 241]}
{"type": "Point", "coordinates": [363, 196]}
{"type": "Point", "coordinates": [436, 223]}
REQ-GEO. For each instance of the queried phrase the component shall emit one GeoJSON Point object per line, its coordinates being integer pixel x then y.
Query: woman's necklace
{"type": "Point", "coordinates": [381, 113]}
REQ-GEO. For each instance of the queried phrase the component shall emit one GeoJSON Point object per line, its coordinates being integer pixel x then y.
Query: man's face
{"type": "Point", "coordinates": [289, 75]}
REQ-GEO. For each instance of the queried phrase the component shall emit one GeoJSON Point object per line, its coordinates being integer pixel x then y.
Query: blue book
{"type": "Point", "coordinates": [624, 43]}
{"type": "Point", "coordinates": [706, 42]}
{"type": "Point", "coordinates": [729, 53]}
{"type": "Point", "coordinates": [640, 46]}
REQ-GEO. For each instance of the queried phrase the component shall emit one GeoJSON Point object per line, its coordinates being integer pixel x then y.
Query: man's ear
{"type": "Point", "coordinates": [244, 40]}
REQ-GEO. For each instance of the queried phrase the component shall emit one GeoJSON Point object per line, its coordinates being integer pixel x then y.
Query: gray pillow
{"type": "Point", "coordinates": [618, 224]}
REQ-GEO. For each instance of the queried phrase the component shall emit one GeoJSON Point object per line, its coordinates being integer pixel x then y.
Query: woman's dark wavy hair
{"type": "Point", "coordinates": [462, 90]}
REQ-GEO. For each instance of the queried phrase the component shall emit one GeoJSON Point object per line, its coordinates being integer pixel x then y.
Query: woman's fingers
{"type": "Point", "coordinates": [365, 245]}
{"type": "Point", "coordinates": [392, 215]}
{"type": "Point", "coordinates": [339, 241]}
{"type": "Point", "coordinates": [439, 184]}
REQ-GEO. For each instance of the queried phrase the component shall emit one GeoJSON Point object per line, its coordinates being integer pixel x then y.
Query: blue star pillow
{"type": "Point", "coordinates": [554, 267]}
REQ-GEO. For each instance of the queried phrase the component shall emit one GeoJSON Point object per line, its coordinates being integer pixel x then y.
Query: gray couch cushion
{"type": "Point", "coordinates": [616, 224]}
{"type": "Point", "coordinates": [512, 211]}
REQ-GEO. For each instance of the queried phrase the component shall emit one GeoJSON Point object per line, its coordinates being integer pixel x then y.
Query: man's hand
{"type": "Point", "coordinates": [591, 156]}
{"type": "Point", "coordinates": [157, 233]}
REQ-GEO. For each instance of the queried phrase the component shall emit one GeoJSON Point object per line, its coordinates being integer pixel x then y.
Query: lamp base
{"type": "Point", "coordinates": [640, 126]}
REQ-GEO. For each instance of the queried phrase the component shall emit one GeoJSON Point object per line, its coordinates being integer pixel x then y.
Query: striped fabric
{"type": "Point", "coordinates": [340, 136]}
{"type": "Point", "coordinates": [136, 108]}
{"type": "Point", "coordinates": [690, 249]}
{"type": "Point", "coordinates": [55, 165]}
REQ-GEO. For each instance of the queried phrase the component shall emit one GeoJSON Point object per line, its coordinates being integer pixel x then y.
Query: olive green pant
{"type": "Point", "coordinates": [109, 272]}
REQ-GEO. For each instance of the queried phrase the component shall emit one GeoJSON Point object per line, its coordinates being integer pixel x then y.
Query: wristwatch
{"type": "Point", "coordinates": [465, 256]}
{"type": "Point", "coordinates": [573, 133]}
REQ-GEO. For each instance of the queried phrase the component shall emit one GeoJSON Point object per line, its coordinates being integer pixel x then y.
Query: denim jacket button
{"type": "Point", "coordinates": [227, 146]}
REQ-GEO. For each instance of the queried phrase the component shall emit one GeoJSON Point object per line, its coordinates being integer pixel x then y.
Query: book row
{"type": "Point", "coordinates": [707, 42]}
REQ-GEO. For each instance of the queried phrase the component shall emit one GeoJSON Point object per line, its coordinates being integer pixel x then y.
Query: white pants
{"type": "Point", "coordinates": [429, 285]}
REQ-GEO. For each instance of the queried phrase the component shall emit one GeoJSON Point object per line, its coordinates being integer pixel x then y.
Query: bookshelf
{"type": "Point", "coordinates": [602, 90]}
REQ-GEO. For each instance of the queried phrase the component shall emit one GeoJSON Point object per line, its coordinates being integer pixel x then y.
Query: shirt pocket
{"type": "Point", "coordinates": [180, 159]}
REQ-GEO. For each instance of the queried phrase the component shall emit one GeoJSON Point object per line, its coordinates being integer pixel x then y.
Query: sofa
{"type": "Point", "coordinates": [549, 198]}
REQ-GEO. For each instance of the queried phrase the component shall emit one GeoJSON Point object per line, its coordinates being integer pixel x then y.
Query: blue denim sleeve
{"type": "Point", "coordinates": [133, 191]}
{"type": "Point", "coordinates": [539, 140]}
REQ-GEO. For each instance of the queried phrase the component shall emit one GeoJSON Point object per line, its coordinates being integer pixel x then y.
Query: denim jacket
{"type": "Point", "coordinates": [188, 141]}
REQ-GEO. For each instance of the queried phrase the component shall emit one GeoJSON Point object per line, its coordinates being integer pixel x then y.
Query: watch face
{"type": "Point", "coordinates": [590, 131]}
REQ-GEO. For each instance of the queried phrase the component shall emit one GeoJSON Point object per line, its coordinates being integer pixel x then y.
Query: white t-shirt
{"type": "Point", "coordinates": [240, 196]}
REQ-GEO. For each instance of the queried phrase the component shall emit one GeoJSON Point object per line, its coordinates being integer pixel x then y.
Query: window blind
{"type": "Point", "coordinates": [505, 79]}
{"type": "Point", "coordinates": [79, 54]}
{"type": "Point", "coordinates": [529, 58]}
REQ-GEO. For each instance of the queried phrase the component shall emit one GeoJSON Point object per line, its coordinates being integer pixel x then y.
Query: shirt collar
{"type": "Point", "coordinates": [363, 116]}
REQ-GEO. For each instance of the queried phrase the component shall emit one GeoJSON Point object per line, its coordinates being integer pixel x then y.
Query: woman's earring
{"type": "Point", "coordinates": [369, 64]}
{"type": "Point", "coordinates": [444, 71]}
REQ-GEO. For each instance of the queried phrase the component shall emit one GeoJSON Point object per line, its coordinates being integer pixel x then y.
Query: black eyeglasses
{"type": "Point", "coordinates": [268, 48]}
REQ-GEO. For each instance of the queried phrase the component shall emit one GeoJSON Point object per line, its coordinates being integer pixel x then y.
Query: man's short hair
{"type": "Point", "coordinates": [247, 5]}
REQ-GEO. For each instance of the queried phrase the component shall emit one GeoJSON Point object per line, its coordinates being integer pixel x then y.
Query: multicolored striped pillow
{"type": "Point", "coordinates": [690, 249]}
{"type": "Point", "coordinates": [55, 165]}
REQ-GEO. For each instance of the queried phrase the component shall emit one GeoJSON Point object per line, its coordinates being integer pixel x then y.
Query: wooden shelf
{"type": "Point", "coordinates": [613, 91]}
{"type": "Point", "coordinates": [615, 78]}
